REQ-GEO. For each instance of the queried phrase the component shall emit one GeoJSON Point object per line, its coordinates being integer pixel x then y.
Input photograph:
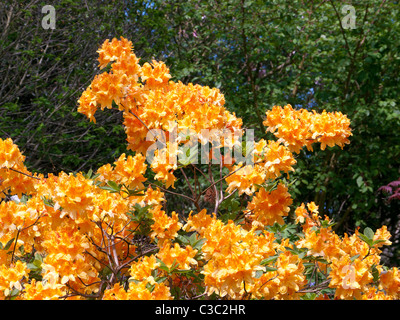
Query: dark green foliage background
{"type": "Point", "coordinates": [259, 53]}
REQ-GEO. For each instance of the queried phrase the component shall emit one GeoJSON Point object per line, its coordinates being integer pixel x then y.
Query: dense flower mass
{"type": "Point", "coordinates": [107, 233]}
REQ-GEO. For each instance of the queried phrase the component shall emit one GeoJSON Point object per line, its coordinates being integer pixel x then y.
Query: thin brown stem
{"type": "Point", "coordinates": [15, 170]}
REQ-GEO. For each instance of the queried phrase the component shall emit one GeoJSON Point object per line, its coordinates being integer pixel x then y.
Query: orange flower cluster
{"type": "Point", "coordinates": [285, 282]}
{"type": "Point", "coordinates": [72, 222]}
{"type": "Point", "coordinates": [299, 128]}
{"type": "Point", "coordinates": [128, 171]}
{"type": "Point", "coordinates": [11, 278]}
{"type": "Point", "coordinates": [270, 160]}
{"type": "Point", "coordinates": [142, 285]}
{"type": "Point", "coordinates": [164, 227]}
{"type": "Point", "coordinates": [17, 219]}
{"type": "Point", "coordinates": [352, 260]}
{"type": "Point", "coordinates": [13, 173]}
{"type": "Point", "coordinates": [266, 208]}
{"type": "Point", "coordinates": [151, 101]}
{"type": "Point", "coordinates": [233, 255]}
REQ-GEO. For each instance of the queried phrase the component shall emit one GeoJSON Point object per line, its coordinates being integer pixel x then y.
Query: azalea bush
{"type": "Point", "coordinates": [107, 234]}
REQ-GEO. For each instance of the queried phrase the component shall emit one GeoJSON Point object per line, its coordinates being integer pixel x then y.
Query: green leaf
{"type": "Point", "coordinates": [32, 266]}
{"type": "Point", "coordinates": [309, 296]}
{"type": "Point", "coordinates": [163, 266]}
{"type": "Point", "coordinates": [8, 244]}
{"type": "Point", "coordinates": [38, 257]}
{"type": "Point", "coordinates": [375, 273]}
{"type": "Point", "coordinates": [88, 175]}
{"type": "Point", "coordinates": [378, 241]}
{"type": "Point", "coordinates": [114, 185]}
{"type": "Point", "coordinates": [161, 279]}
{"type": "Point", "coordinates": [365, 239]}
{"type": "Point", "coordinates": [369, 233]}
{"type": "Point", "coordinates": [269, 269]}
{"type": "Point", "coordinates": [14, 292]}
{"type": "Point", "coordinates": [150, 287]}
{"type": "Point", "coordinates": [269, 260]}
{"type": "Point", "coordinates": [199, 243]}
{"type": "Point", "coordinates": [360, 181]}
{"type": "Point", "coordinates": [258, 274]}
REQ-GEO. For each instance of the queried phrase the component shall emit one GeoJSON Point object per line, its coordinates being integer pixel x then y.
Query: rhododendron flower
{"type": "Point", "coordinates": [11, 277]}
{"type": "Point", "coordinates": [299, 128]}
{"type": "Point", "coordinates": [164, 227]}
{"type": "Point", "coordinates": [42, 290]}
{"type": "Point", "coordinates": [128, 171]}
{"type": "Point", "coordinates": [269, 207]}
{"type": "Point", "coordinates": [170, 254]}
{"type": "Point", "coordinates": [390, 282]}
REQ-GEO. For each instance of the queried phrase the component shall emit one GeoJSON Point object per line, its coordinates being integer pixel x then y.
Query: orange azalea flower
{"type": "Point", "coordinates": [74, 194]}
{"type": "Point", "coordinates": [137, 291]}
{"type": "Point", "coordinates": [111, 51]}
{"type": "Point", "coordinates": [322, 242]}
{"type": "Point", "coordinates": [154, 102]}
{"type": "Point", "coordinates": [269, 207]}
{"type": "Point", "coordinates": [353, 245]}
{"type": "Point", "coordinates": [183, 256]}
{"type": "Point", "coordinates": [87, 104]}
{"type": "Point", "coordinates": [37, 290]}
{"type": "Point", "coordinates": [155, 74]}
{"type": "Point", "coordinates": [162, 167]}
{"type": "Point", "coordinates": [140, 291]}
{"type": "Point", "coordinates": [164, 226]}
{"type": "Point", "coordinates": [276, 159]}
{"type": "Point", "coordinates": [13, 173]}
{"type": "Point", "coordinates": [199, 222]}
{"type": "Point", "coordinates": [10, 155]}
{"type": "Point", "coordinates": [245, 179]}
{"type": "Point", "coordinates": [290, 275]}
{"type": "Point", "coordinates": [350, 278]}
{"type": "Point", "coordinates": [267, 286]}
{"type": "Point", "coordinates": [384, 235]}
{"type": "Point", "coordinates": [128, 64]}
{"type": "Point", "coordinates": [117, 292]}
{"type": "Point", "coordinates": [66, 256]}
{"type": "Point", "coordinates": [141, 277]}
{"type": "Point", "coordinates": [285, 282]}
{"type": "Point", "coordinates": [11, 277]}
{"type": "Point", "coordinates": [142, 269]}
{"type": "Point", "coordinates": [308, 220]}
{"type": "Point", "coordinates": [301, 214]}
{"type": "Point", "coordinates": [17, 219]}
{"type": "Point", "coordinates": [233, 255]}
{"type": "Point", "coordinates": [331, 129]}
{"type": "Point", "coordinates": [128, 170]}
{"type": "Point", "coordinates": [390, 282]}
{"type": "Point", "coordinates": [299, 128]}
{"type": "Point", "coordinates": [19, 183]}
{"type": "Point", "coordinates": [374, 294]}
{"type": "Point", "coordinates": [293, 126]}
{"type": "Point", "coordinates": [108, 87]}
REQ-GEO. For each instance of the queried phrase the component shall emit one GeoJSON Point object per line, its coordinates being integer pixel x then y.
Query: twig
{"type": "Point", "coordinates": [15, 170]}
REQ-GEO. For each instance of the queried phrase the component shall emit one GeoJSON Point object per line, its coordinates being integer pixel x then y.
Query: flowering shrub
{"type": "Point", "coordinates": [107, 235]}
